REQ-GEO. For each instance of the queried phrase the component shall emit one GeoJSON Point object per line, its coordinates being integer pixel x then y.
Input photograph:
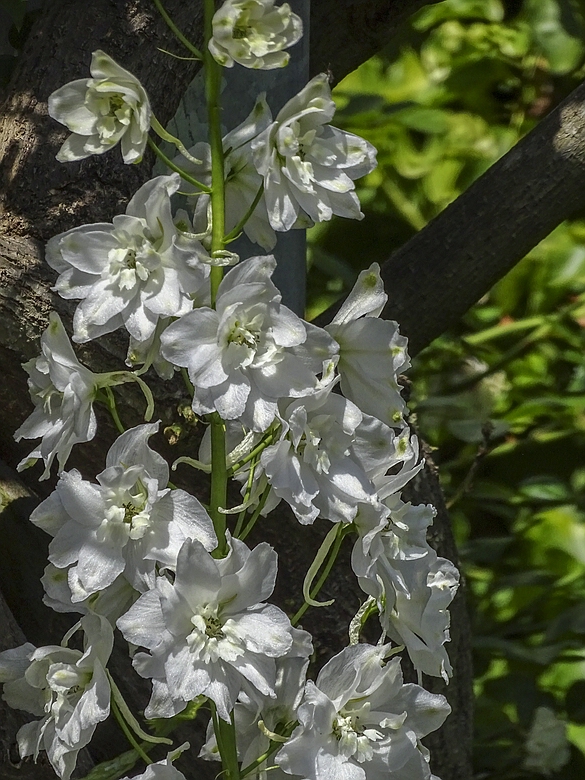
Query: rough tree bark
{"type": "Point", "coordinates": [39, 198]}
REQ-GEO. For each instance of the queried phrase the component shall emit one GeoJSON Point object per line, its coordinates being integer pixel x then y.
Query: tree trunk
{"type": "Point", "coordinates": [40, 198]}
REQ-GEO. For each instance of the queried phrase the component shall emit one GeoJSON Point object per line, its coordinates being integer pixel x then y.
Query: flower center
{"type": "Point", "coordinates": [116, 102]}
{"type": "Point", "coordinates": [352, 737]}
{"type": "Point", "coordinates": [241, 31]}
{"type": "Point", "coordinates": [243, 336]}
{"type": "Point", "coordinates": [130, 512]}
{"type": "Point", "coordinates": [128, 508]}
{"type": "Point", "coordinates": [134, 260]}
{"type": "Point", "coordinates": [213, 627]}
{"type": "Point", "coordinates": [213, 639]}
{"type": "Point", "coordinates": [130, 258]}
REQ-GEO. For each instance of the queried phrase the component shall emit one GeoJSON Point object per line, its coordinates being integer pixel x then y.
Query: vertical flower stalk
{"type": "Point", "coordinates": [212, 91]}
{"type": "Point", "coordinates": [225, 732]}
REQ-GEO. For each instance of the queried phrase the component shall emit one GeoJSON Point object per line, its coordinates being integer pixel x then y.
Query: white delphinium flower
{"type": "Point", "coordinates": [108, 108]}
{"type": "Point", "coordinates": [359, 721]}
{"type": "Point", "coordinates": [67, 688]}
{"type": "Point", "coordinates": [257, 718]}
{"type": "Point", "coordinates": [242, 180]}
{"type": "Point", "coordinates": [163, 770]}
{"type": "Point", "coordinates": [307, 165]}
{"type": "Point", "coordinates": [372, 353]}
{"type": "Point", "coordinates": [111, 602]}
{"type": "Point", "coordinates": [254, 34]}
{"type": "Point", "coordinates": [128, 523]}
{"type": "Point", "coordinates": [249, 351]}
{"type": "Point", "coordinates": [63, 392]}
{"type": "Point", "coordinates": [326, 447]}
{"type": "Point", "coordinates": [208, 632]}
{"type": "Point", "coordinates": [413, 587]}
{"type": "Point", "coordinates": [133, 271]}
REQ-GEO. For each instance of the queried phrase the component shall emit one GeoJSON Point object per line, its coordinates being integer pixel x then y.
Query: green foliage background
{"type": "Point", "coordinates": [502, 396]}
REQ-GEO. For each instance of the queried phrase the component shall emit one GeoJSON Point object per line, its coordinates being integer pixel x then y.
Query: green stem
{"type": "Point", "coordinates": [233, 234]}
{"type": "Point", "coordinates": [218, 496]}
{"type": "Point", "coordinates": [129, 735]}
{"type": "Point", "coordinates": [324, 574]}
{"type": "Point", "coordinates": [256, 515]}
{"type": "Point", "coordinates": [114, 410]}
{"type": "Point", "coordinates": [173, 27]}
{"type": "Point", "coordinates": [187, 381]}
{"type": "Point", "coordinates": [170, 164]}
{"type": "Point", "coordinates": [252, 454]}
{"type": "Point", "coordinates": [212, 93]}
{"type": "Point", "coordinates": [249, 485]}
{"type": "Point", "coordinates": [261, 759]}
{"type": "Point", "coordinates": [217, 198]}
{"type": "Point", "coordinates": [225, 735]}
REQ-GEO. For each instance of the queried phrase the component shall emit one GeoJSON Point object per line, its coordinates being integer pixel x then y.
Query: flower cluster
{"type": "Point", "coordinates": [293, 171]}
{"type": "Point", "coordinates": [293, 412]}
{"type": "Point", "coordinates": [67, 688]}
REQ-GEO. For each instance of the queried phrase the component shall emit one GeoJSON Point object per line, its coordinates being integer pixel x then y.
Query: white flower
{"type": "Point", "coordinates": [163, 770]}
{"type": "Point", "coordinates": [62, 391]}
{"type": "Point", "coordinates": [68, 688]}
{"type": "Point", "coordinates": [108, 108]}
{"type": "Point", "coordinates": [254, 33]}
{"type": "Point", "coordinates": [277, 714]}
{"type": "Point", "coordinates": [403, 464]}
{"type": "Point", "coordinates": [372, 353]}
{"type": "Point", "coordinates": [249, 351]}
{"type": "Point", "coordinates": [111, 602]}
{"type": "Point", "coordinates": [208, 631]}
{"type": "Point", "coordinates": [319, 466]}
{"type": "Point", "coordinates": [242, 180]}
{"type": "Point", "coordinates": [309, 166]}
{"type": "Point", "coordinates": [132, 272]}
{"type": "Point", "coordinates": [360, 721]}
{"type": "Point", "coordinates": [396, 565]}
{"type": "Point", "coordinates": [128, 523]}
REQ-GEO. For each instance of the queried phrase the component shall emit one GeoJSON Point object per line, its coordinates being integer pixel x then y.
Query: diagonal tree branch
{"type": "Point", "coordinates": [371, 25]}
{"type": "Point", "coordinates": [442, 271]}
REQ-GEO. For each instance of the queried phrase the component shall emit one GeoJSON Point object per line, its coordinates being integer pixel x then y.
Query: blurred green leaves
{"type": "Point", "coordinates": [558, 28]}
{"type": "Point", "coordinates": [502, 395]}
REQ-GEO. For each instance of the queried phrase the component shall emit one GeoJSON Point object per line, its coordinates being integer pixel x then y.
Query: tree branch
{"type": "Point", "coordinates": [442, 271]}
{"type": "Point", "coordinates": [371, 25]}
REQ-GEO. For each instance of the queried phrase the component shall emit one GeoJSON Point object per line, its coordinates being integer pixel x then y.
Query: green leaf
{"type": "Point", "coordinates": [558, 29]}
{"type": "Point", "coordinates": [545, 489]}
{"type": "Point", "coordinates": [561, 528]}
{"type": "Point", "coordinates": [490, 10]}
{"type": "Point", "coordinates": [487, 550]}
{"type": "Point", "coordinates": [542, 655]}
{"type": "Point", "coordinates": [440, 185]}
{"type": "Point", "coordinates": [425, 120]}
